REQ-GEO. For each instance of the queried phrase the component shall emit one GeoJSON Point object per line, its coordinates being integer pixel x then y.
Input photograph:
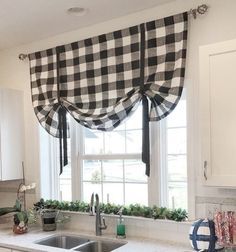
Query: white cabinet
{"type": "Point", "coordinates": [5, 250]}
{"type": "Point", "coordinates": [218, 113]}
{"type": "Point", "coordinates": [9, 250]}
{"type": "Point", "coordinates": [11, 134]}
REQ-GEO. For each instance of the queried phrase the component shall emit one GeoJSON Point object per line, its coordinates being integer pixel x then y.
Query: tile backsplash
{"type": "Point", "coordinates": [208, 206]}
{"type": "Point", "coordinates": [136, 227]}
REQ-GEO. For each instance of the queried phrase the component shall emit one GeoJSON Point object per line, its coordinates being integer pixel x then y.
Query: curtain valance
{"type": "Point", "coordinates": [100, 80]}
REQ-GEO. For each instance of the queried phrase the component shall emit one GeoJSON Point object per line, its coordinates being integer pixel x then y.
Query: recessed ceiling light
{"type": "Point", "coordinates": [77, 11]}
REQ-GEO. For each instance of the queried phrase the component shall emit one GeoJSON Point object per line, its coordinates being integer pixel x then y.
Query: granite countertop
{"type": "Point", "coordinates": [26, 241]}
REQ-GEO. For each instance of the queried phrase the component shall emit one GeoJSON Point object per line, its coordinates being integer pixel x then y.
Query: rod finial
{"type": "Point", "coordinates": [22, 56]}
{"type": "Point", "coordinates": [201, 9]}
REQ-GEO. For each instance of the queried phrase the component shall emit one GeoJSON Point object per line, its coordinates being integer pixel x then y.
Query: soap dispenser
{"type": "Point", "coordinates": [120, 228]}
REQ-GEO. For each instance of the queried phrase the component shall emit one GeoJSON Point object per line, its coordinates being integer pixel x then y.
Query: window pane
{"type": "Point", "coordinates": [176, 141]}
{"type": "Point", "coordinates": [121, 126]}
{"type": "Point", "coordinates": [65, 189]}
{"type": "Point", "coordinates": [135, 171]}
{"type": "Point", "coordinates": [134, 141]}
{"type": "Point", "coordinates": [89, 188]}
{"type": "Point", "coordinates": [65, 183]}
{"type": "Point", "coordinates": [113, 193]}
{"type": "Point", "coordinates": [92, 170]}
{"type": "Point", "coordinates": [93, 141]}
{"type": "Point", "coordinates": [177, 195]}
{"type": "Point", "coordinates": [175, 154]}
{"type": "Point", "coordinates": [66, 171]}
{"type": "Point", "coordinates": [135, 120]}
{"type": "Point", "coordinates": [112, 170]}
{"type": "Point", "coordinates": [177, 167]}
{"type": "Point", "coordinates": [114, 142]}
{"type": "Point", "coordinates": [136, 193]}
{"type": "Point", "coordinates": [177, 118]}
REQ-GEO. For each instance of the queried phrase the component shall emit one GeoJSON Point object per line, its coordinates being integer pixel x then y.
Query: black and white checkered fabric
{"type": "Point", "coordinates": [98, 81]}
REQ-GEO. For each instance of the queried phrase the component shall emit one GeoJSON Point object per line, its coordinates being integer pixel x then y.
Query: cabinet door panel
{"type": "Point", "coordinates": [223, 113]}
{"type": "Point", "coordinates": [5, 250]}
{"type": "Point", "coordinates": [12, 133]}
{"type": "Point", "coordinates": [218, 112]}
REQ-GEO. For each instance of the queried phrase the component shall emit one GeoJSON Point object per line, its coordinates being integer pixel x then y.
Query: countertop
{"type": "Point", "coordinates": [26, 241]}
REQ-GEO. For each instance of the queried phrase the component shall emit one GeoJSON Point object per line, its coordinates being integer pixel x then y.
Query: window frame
{"type": "Point", "coordinates": [157, 182]}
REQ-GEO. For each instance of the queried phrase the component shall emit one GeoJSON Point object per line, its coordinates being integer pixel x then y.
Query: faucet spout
{"type": "Point", "coordinates": [91, 205]}
{"type": "Point", "coordinates": [98, 223]}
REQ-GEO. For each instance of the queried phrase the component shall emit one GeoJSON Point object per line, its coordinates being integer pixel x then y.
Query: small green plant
{"type": "Point", "coordinates": [15, 208]}
{"type": "Point", "coordinates": [21, 217]}
{"type": "Point", "coordinates": [20, 222]}
{"type": "Point", "coordinates": [131, 210]}
{"type": "Point", "coordinates": [178, 214]}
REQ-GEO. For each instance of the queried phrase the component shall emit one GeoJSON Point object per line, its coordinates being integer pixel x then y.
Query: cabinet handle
{"type": "Point", "coordinates": [205, 170]}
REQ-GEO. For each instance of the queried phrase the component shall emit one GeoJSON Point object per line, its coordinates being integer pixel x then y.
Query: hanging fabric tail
{"type": "Point", "coordinates": [145, 133]}
{"type": "Point", "coordinates": [62, 119]}
{"type": "Point", "coordinates": [145, 136]}
{"type": "Point", "coordinates": [63, 139]}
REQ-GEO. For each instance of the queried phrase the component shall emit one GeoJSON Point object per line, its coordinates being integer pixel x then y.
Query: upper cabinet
{"type": "Point", "coordinates": [218, 113]}
{"type": "Point", "coordinates": [11, 134]}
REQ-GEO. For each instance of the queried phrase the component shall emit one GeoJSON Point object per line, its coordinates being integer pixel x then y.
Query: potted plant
{"type": "Point", "coordinates": [50, 216]}
{"type": "Point", "coordinates": [49, 219]}
{"type": "Point", "coordinates": [21, 218]}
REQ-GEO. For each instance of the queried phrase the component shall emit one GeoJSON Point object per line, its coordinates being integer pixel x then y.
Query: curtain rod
{"type": "Point", "coordinates": [200, 10]}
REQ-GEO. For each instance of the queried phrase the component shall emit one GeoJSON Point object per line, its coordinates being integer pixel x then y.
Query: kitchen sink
{"type": "Point", "coordinates": [62, 241]}
{"type": "Point", "coordinates": [99, 246]}
{"type": "Point", "coordinates": [82, 244]}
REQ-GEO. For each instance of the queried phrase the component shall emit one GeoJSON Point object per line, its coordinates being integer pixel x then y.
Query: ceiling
{"type": "Point", "coordinates": [25, 21]}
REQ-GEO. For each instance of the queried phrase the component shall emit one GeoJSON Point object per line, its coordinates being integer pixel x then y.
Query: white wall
{"type": "Point", "coordinates": [217, 25]}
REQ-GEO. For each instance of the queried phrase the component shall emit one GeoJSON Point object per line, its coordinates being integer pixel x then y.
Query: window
{"type": "Point", "coordinates": [109, 163]}
{"type": "Point", "coordinates": [54, 186]}
{"type": "Point", "coordinates": [174, 157]}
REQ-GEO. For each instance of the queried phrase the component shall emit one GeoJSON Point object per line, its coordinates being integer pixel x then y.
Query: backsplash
{"type": "Point", "coordinates": [136, 227]}
{"type": "Point", "coordinates": [208, 206]}
{"type": "Point", "coordinates": [8, 194]}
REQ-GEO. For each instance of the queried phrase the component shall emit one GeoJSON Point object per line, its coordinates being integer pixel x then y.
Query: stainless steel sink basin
{"type": "Point", "coordinates": [63, 241]}
{"type": "Point", "coordinates": [80, 243]}
{"type": "Point", "coordinates": [99, 246]}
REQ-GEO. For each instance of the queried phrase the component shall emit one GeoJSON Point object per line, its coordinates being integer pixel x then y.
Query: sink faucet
{"type": "Point", "coordinates": [91, 205]}
{"type": "Point", "coordinates": [98, 224]}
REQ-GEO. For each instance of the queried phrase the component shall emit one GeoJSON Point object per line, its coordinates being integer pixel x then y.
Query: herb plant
{"type": "Point", "coordinates": [131, 210]}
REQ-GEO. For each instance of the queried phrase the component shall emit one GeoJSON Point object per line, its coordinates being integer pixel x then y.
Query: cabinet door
{"type": "Point", "coordinates": [11, 134]}
{"type": "Point", "coordinates": [218, 113]}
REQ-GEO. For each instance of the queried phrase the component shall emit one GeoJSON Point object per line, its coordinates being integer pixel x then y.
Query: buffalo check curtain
{"type": "Point", "coordinates": [99, 81]}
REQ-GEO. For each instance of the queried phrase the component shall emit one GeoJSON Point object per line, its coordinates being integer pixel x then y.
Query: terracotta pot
{"type": "Point", "coordinates": [20, 229]}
